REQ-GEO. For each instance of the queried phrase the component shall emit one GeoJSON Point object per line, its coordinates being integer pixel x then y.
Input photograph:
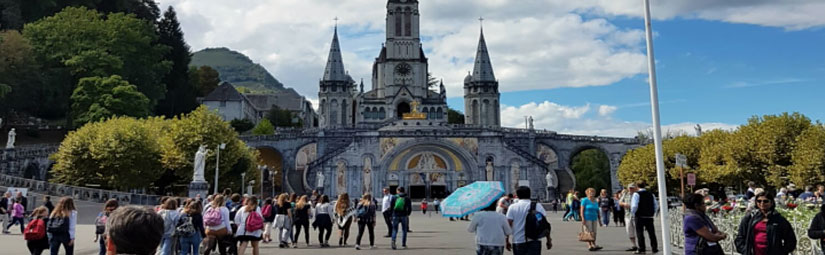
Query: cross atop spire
{"type": "Point", "coordinates": [336, 22]}
{"type": "Point", "coordinates": [481, 23]}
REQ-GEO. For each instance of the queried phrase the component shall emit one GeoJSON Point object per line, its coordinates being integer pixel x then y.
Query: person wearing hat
{"type": "Point", "coordinates": [630, 226]}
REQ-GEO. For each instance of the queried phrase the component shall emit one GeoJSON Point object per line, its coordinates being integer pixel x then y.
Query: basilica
{"type": "Point", "coordinates": [395, 134]}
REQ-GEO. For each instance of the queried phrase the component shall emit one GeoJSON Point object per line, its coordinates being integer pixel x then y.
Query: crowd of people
{"type": "Point", "coordinates": [233, 223]}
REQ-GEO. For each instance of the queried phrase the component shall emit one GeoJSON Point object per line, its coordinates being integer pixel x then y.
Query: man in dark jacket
{"type": "Point", "coordinates": [401, 207]}
{"type": "Point", "coordinates": [781, 238]}
{"type": "Point", "coordinates": [817, 228]}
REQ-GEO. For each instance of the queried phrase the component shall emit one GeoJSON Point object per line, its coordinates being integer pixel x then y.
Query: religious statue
{"type": "Point", "coordinates": [341, 188]}
{"type": "Point", "coordinates": [551, 178]}
{"type": "Point", "coordinates": [319, 180]}
{"type": "Point", "coordinates": [12, 138]}
{"type": "Point", "coordinates": [530, 121]}
{"type": "Point", "coordinates": [489, 170]}
{"type": "Point", "coordinates": [515, 170]}
{"type": "Point", "coordinates": [200, 164]}
{"type": "Point", "coordinates": [367, 175]}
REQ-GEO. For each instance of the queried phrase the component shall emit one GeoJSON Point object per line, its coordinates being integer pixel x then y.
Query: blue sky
{"type": "Point", "coordinates": [575, 66]}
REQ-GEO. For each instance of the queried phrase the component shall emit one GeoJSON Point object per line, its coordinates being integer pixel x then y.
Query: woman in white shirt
{"type": "Point", "coordinates": [216, 221]}
{"type": "Point", "coordinates": [323, 220]}
{"type": "Point", "coordinates": [492, 230]}
{"type": "Point", "coordinates": [245, 235]}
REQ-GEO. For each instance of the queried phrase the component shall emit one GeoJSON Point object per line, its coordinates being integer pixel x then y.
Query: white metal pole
{"type": "Point", "coordinates": [657, 135]}
{"type": "Point", "coordinates": [217, 168]}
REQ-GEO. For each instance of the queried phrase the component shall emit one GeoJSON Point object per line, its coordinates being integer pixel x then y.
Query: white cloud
{"type": "Point", "coordinates": [534, 44]}
{"type": "Point", "coordinates": [581, 120]}
{"type": "Point", "coordinates": [788, 14]}
{"type": "Point", "coordinates": [606, 110]}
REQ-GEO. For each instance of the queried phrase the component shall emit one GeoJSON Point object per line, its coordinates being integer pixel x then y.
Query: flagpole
{"type": "Point", "coordinates": [657, 135]}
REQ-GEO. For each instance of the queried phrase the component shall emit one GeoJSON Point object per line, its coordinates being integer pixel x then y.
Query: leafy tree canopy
{"type": "Point", "coordinates": [98, 98]}
{"type": "Point", "coordinates": [264, 127]}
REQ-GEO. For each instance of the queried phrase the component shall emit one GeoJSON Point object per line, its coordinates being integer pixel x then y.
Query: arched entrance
{"type": "Point", "coordinates": [591, 168]}
{"type": "Point", "coordinates": [273, 162]}
{"type": "Point", "coordinates": [428, 169]}
{"type": "Point", "coordinates": [401, 109]}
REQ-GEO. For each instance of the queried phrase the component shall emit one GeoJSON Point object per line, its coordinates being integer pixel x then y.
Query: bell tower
{"type": "Point", "coordinates": [481, 95]}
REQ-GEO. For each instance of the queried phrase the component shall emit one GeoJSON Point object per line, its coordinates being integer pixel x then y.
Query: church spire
{"type": "Point", "coordinates": [483, 70]}
{"type": "Point", "coordinates": [335, 64]}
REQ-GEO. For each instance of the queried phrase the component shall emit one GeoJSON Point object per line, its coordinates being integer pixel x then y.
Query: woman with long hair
{"type": "Point", "coordinates": [191, 214]}
{"type": "Point", "coordinates": [755, 237]}
{"type": "Point", "coordinates": [218, 228]}
{"type": "Point", "coordinates": [343, 218]}
{"type": "Point", "coordinates": [590, 217]}
{"type": "Point", "coordinates": [300, 218]}
{"type": "Point", "coordinates": [62, 225]}
{"type": "Point", "coordinates": [100, 223]}
{"type": "Point", "coordinates": [323, 220]}
{"type": "Point", "coordinates": [170, 215]}
{"type": "Point", "coordinates": [701, 235]}
{"type": "Point", "coordinates": [245, 236]}
{"type": "Point", "coordinates": [269, 218]}
{"type": "Point", "coordinates": [39, 216]}
{"type": "Point", "coordinates": [283, 220]}
{"type": "Point", "coordinates": [365, 213]}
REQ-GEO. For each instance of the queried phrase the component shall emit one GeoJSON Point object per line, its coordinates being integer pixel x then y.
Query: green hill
{"type": "Point", "coordinates": [238, 69]}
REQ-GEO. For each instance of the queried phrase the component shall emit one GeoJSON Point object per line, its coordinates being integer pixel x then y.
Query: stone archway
{"type": "Point", "coordinates": [273, 160]}
{"type": "Point", "coordinates": [590, 168]}
{"type": "Point", "coordinates": [427, 168]}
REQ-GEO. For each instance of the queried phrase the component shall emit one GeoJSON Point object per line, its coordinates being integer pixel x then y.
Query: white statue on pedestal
{"type": "Point", "coordinates": [11, 140]}
{"type": "Point", "coordinates": [341, 186]}
{"type": "Point", "coordinates": [489, 170]}
{"type": "Point", "coordinates": [319, 180]}
{"type": "Point", "coordinates": [551, 179]}
{"type": "Point", "coordinates": [531, 123]}
{"type": "Point", "coordinates": [200, 164]}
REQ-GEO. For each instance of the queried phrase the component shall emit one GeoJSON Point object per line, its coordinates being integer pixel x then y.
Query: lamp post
{"type": "Point", "coordinates": [243, 181]}
{"type": "Point", "coordinates": [218, 165]}
{"type": "Point", "coordinates": [262, 168]}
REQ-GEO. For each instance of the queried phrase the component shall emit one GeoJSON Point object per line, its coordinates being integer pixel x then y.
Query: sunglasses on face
{"type": "Point", "coordinates": [763, 201]}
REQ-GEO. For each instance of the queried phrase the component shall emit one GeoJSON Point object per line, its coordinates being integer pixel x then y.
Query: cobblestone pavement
{"type": "Point", "coordinates": [431, 235]}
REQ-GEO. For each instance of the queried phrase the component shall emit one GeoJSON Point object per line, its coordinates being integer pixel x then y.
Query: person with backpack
{"type": "Point", "coordinates": [491, 229]}
{"type": "Point", "coordinates": [250, 225]}
{"type": "Point", "coordinates": [323, 220]}
{"type": "Point", "coordinates": [269, 218]}
{"type": "Point", "coordinates": [168, 211]}
{"type": "Point", "coordinates": [283, 220]}
{"type": "Point", "coordinates": [189, 229]}
{"type": "Point", "coordinates": [300, 219]}
{"type": "Point", "coordinates": [218, 227]}
{"type": "Point", "coordinates": [343, 218]}
{"type": "Point", "coordinates": [529, 222]}
{"type": "Point", "coordinates": [365, 215]}
{"type": "Point", "coordinates": [17, 214]}
{"type": "Point", "coordinates": [35, 234]}
{"type": "Point", "coordinates": [62, 224]}
{"type": "Point", "coordinates": [401, 210]}
{"type": "Point", "coordinates": [100, 224]}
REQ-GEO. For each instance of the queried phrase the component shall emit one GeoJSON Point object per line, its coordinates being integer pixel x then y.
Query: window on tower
{"type": "Point", "coordinates": [408, 22]}
{"type": "Point", "coordinates": [398, 22]}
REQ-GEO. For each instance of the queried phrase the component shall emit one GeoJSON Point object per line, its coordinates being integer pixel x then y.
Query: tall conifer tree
{"type": "Point", "coordinates": [180, 95]}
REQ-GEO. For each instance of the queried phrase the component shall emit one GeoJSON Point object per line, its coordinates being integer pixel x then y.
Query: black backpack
{"type": "Point", "coordinates": [535, 225]}
{"type": "Point", "coordinates": [59, 225]}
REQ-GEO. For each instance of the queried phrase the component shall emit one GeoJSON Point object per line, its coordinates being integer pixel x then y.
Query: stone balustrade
{"type": "Point", "coordinates": [78, 193]}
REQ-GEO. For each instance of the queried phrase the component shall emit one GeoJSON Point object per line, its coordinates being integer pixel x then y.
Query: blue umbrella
{"type": "Point", "coordinates": [471, 198]}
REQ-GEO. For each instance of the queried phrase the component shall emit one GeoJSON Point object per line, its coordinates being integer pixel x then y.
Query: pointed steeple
{"type": "Point", "coordinates": [335, 64]}
{"type": "Point", "coordinates": [483, 70]}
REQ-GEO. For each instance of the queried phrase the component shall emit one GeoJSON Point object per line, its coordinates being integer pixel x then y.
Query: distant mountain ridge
{"type": "Point", "coordinates": [237, 69]}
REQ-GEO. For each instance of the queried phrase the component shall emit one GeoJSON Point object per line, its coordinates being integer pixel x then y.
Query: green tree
{"type": "Point", "coordinates": [715, 161]}
{"type": "Point", "coordinates": [204, 79]}
{"type": "Point", "coordinates": [432, 81]}
{"type": "Point", "coordinates": [11, 16]}
{"type": "Point", "coordinates": [97, 98]}
{"type": "Point", "coordinates": [264, 127]}
{"type": "Point", "coordinates": [120, 153]}
{"type": "Point", "coordinates": [78, 42]}
{"type": "Point", "coordinates": [809, 157]}
{"type": "Point", "coordinates": [242, 125]}
{"type": "Point", "coordinates": [180, 94]}
{"type": "Point", "coordinates": [454, 117]}
{"type": "Point", "coordinates": [281, 117]}
{"type": "Point", "coordinates": [20, 77]}
{"type": "Point", "coordinates": [592, 170]}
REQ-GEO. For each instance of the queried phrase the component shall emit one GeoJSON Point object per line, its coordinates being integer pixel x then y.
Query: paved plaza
{"type": "Point", "coordinates": [432, 235]}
